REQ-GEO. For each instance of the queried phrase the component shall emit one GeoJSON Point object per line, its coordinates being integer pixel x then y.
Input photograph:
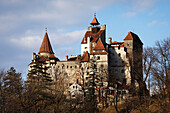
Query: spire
{"type": "Point", "coordinates": [46, 46]}
{"type": "Point", "coordinates": [94, 21]}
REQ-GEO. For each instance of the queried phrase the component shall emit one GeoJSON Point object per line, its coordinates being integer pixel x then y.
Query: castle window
{"type": "Point", "coordinates": [122, 71]}
{"type": "Point", "coordinates": [85, 48]}
{"type": "Point", "coordinates": [67, 66]}
{"type": "Point", "coordinates": [70, 66]}
{"type": "Point", "coordinates": [119, 47]}
{"type": "Point", "coordinates": [116, 71]}
{"type": "Point", "coordinates": [58, 66]}
{"type": "Point", "coordinates": [77, 81]}
{"type": "Point", "coordinates": [75, 66]}
{"type": "Point", "coordinates": [98, 57]}
{"type": "Point", "coordinates": [116, 62]}
{"type": "Point", "coordinates": [119, 54]}
{"type": "Point", "coordinates": [127, 44]}
{"type": "Point", "coordinates": [123, 62]}
{"type": "Point", "coordinates": [63, 66]}
{"type": "Point", "coordinates": [102, 66]}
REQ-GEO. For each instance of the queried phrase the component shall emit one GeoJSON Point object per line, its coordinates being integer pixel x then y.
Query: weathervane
{"type": "Point", "coordinates": [46, 29]}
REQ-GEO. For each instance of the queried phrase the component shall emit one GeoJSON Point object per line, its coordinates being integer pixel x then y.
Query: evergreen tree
{"type": "Point", "coordinates": [40, 87]}
{"type": "Point", "coordinates": [92, 84]}
{"type": "Point", "coordinates": [12, 91]}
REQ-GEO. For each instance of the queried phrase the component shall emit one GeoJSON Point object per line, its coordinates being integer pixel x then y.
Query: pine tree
{"type": "Point", "coordinates": [40, 87]}
{"type": "Point", "coordinates": [92, 84]}
{"type": "Point", "coordinates": [12, 90]}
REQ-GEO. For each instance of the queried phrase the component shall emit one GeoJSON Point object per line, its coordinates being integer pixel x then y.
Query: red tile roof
{"type": "Point", "coordinates": [129, 36]}
{"type": "Point", "coordinates": [46, 46]}
{"type": "Point", "coordinates": [94, 21]}
{"type": "Point", "coordinates": [42, 59]}
{"type": "Point", "coordinates": [99, 45]}
{"type": "Point", "coordinates": [86, 57]}
{"type": "Point", "coordinates": [93, 36]}
{"type": "Point", "coordinates": [98, 53]}
{"type": "Point", "coordinates": [52, 57]}
{"type": "Point", "coordinates": [133, 36]}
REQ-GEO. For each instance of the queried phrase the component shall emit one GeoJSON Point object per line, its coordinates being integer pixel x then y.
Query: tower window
{"type": "Point", "coordinates": [122, 71]}
{"type": "Point", "coordinates": [85, 48]}
{"type": "Point", "coordinates": [119, 47]}
{"type": "Point", "coordinates": [98, 57]}
{"type": "Point", "coordinates": [102, 66]}
{"type": "Point", "coordinates": [119, 54]}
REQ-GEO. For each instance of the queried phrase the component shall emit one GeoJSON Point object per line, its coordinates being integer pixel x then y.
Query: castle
{"type": "Point", "coordinates": [122, 61]}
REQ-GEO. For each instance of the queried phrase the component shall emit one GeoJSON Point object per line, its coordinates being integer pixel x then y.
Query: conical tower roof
{"type": "Point", "coordinates": [94, 21]}
{"type": "Point", "coordinates": [46, 45]}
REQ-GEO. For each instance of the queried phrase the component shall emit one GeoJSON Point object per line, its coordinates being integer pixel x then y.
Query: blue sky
{"type": "Point", "coordinates": [23, 22]}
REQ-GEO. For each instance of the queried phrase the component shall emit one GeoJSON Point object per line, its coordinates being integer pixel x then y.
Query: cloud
{"type": "Point", "coordinates": [138, 6]}
{"type": "Point", "coordinates": [152, 23]}
{"type": "Point", "coordinates": [28, 42]}
{"type": "Point", "coordinates": [57, 39]}
{"type": "Point", "coordinates": [129, 14]}
{"type": "Point", "coordinates": [143, 5]}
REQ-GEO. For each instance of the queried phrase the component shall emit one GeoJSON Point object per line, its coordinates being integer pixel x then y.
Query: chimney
{"type": "Point", "coordinates": [66, 57]}
{"type": "Point", "coordinates": [110, 40]}
{"type": "Point", "coordinates": [33, 56]}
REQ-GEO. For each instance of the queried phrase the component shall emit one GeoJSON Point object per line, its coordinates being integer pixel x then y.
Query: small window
{"type": "Point", "coordinates": [75, 66]}
{"type": "Point", "coordinates": [58, 66]}
{"type": "Point", "coordinates": [122, 71]}
{"type": "Point", "coordinates": [77, 81]}
{"type": "Point", "coordinates": [116, 62]}
{"type": "Point", "coordinates": [85, 48]}
{"type": "Point", "coordinates": [127, 44]}
{"type": "Point", "coordinates": [67, 66]}
{"type": "Point", "coordinates": [70, 66]}
{"type": "Point", "coordinates": [116, 71]}
{"type": "Point", "coordinates": [119, 47]}
{"type": "Point", "coordinates": [119, 54]}
{"type": "Point", "coordinates": [102, 66]}
{"type": "Point", "coordinates": [123, 62]}
{"type": "Point", "coordinates": [73, 86]}
{"type": "Point", "coordinates": [98, 57]}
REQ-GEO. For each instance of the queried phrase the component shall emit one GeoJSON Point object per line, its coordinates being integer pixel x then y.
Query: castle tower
{"type": "Point", "coordinates": [46, 48]}
{"type": "Point", "coordinates": [92, 35]}
{"type": "Point", "coordinates": [135, 49]}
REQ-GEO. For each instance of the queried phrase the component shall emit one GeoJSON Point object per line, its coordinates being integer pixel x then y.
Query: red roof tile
{"type": "Point", "coordinates": [133, 36]}
{"type": "Point", "coordinates": [46, 46]}
{"type": "Point", "coordinates": [52, 57]}
{"type": "Point", "coordinates": [128, 37]}
{"type": "Point", "coordinates": [98, 53]}
{"type": "Point", "coordinates": [94, 21]}
{"type": "Point", "coordinates": [99, 45]}
{"type": "Point", "coordinates": [86, 57]}
{"type": "Point", "coordinates": [42, 59]}
{"type": "Point", "coordinates": [93, 36]}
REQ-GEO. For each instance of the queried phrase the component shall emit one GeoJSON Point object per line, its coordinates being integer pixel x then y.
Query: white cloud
{"type": "Point", "coordinates": [152, 23]}
{"type": "Point", "coordinates": [57, 39]}
{"type": "Point", "coordinates": [142, 5]}
{"type": "Point", "coordinates": [129, 14]}
{"type": "Point", "coordinates": [28, 42]}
